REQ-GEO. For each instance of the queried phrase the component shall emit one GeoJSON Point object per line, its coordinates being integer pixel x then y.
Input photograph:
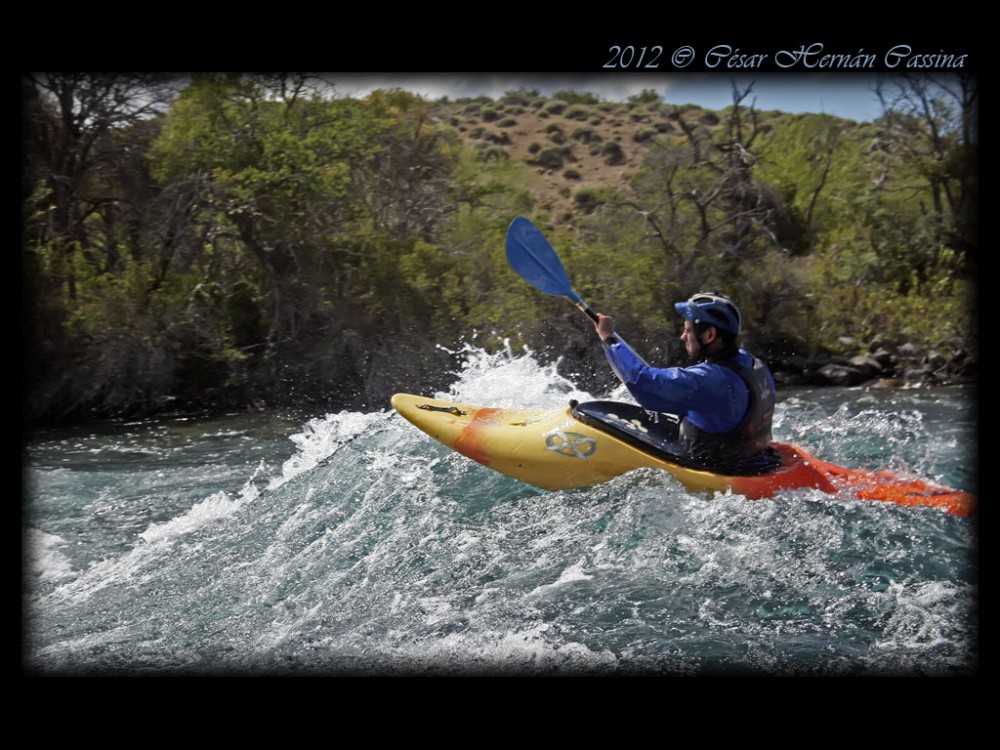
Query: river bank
{"type": "Point", "coordinates": [885, 366]}
{"type": "Point", "coordinates": [358, 373]}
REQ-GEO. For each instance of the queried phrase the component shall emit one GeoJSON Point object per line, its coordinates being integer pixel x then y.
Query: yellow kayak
{"type": "Point", "coordinates": [585, 444]}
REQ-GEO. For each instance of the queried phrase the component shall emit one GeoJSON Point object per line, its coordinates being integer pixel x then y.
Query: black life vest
{"type": "Point", "coordinates": [751, 436]}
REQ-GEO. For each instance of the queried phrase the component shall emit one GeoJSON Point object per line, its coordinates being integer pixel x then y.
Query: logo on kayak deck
{"type": "Point", "coordinates": [571, 444]}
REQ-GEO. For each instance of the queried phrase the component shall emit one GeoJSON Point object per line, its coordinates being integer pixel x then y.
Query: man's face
{"type": "Point", "coordinates": [690, 338]}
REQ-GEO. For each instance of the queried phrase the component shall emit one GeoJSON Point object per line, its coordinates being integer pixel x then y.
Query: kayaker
{"type": "Point", "coordinates": [725, 400]}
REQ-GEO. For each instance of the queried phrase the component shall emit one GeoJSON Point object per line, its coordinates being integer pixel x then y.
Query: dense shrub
{"type": "Point", "coordinates": [520, 97]}
{"type": "Point", "coordinates": [590, 199]}
{"type": "Point", "coordinates": [576, 97]}
{"type": "Point", "coordinates": [555, 107]}
{"type": "Point", "coordinates": [493, 137]}
{"type": "Point", "coordinates": [613, 153]}
{"type": "Point", "coordinates": [550, 157]}
{"type": "Point", "coordinates": [491, 152]}
{"type": "Point", "coordinates": [586, 135]}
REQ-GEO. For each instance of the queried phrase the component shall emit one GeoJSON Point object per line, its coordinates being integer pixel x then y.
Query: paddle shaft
{"type": "Point", "coordinates": [584, 307]}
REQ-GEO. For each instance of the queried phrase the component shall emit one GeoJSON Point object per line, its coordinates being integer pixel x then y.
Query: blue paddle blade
{"type": "Point", "coordinates": [535, 260]}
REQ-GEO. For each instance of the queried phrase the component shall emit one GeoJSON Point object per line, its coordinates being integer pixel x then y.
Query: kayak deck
{"type": "Point", "coordinates": [554, 450]}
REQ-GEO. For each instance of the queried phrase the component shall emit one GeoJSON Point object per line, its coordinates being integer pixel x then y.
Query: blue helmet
{"type": "Point", "coordinates": [712, 309]}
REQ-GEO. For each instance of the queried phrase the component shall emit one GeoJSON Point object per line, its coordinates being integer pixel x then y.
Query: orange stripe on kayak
{"type": "Point", "coordinates": [473, 441]}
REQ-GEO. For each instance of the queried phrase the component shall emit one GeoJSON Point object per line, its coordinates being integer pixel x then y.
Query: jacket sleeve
{"type": "Point", "coordinates": [623, 359]}
{"type": "Point", "coordinates": [657, 389]}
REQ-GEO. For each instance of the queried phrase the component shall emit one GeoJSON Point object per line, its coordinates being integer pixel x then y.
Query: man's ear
{"type": "Point", "coordinates": [709, 335]}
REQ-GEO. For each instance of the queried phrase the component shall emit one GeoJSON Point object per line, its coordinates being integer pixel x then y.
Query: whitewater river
{"type": "Point", "coordinates": [352, 544]}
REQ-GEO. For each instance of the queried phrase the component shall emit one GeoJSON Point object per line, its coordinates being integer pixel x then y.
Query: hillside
{"type": "Point", "coordinates": [572, 151]}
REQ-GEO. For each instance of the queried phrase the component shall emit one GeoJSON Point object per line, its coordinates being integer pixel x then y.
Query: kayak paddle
{"type": "Point", "coordinates": [535, 261]}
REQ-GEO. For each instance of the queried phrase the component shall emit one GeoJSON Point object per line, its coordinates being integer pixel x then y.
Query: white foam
{"type": "Point", "coordinates": [321, 438]}
{"type": "Point", "coordinates": [44, 561]}
{"type": "Point", "coordinates": [509, 379]}
{"type": "Point", "coordinates": [211, 509]}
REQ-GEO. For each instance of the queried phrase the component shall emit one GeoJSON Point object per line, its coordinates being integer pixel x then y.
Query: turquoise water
{"type": "Point", "coordinates": [352, 544]}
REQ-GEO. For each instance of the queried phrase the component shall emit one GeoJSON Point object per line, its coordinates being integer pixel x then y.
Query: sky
{"type": "Point", "coordinates": [847, 95]}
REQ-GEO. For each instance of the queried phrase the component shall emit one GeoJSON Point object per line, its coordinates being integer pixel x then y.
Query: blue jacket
{"type": "Point", "coordinates": [713, 398]}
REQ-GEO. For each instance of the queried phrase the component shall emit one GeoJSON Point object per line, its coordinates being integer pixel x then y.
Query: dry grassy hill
{"type": "Point", "coordinates": [569, 150]}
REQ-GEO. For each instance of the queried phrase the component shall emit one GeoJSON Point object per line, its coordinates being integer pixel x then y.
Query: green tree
{"type": "Point", "coordinates": [89, 204]}
{"type": "Point", "coordinates": [704, 204]}
{"type": "Point", "coordinates": [269, 162]}
{"type": "Point", "coordinates": [931, 123]}
{"type": "Point", "coordinates": [75, 123]}
{"type": "Point", "coordinates": [807, 158]}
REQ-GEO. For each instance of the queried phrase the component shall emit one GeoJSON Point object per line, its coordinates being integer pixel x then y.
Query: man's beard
{"type": "Point", "coordinates": [696, 353]}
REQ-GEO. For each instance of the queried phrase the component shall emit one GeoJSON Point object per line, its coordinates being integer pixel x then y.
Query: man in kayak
{"type": "Point", "coordinates": [725, 401]}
